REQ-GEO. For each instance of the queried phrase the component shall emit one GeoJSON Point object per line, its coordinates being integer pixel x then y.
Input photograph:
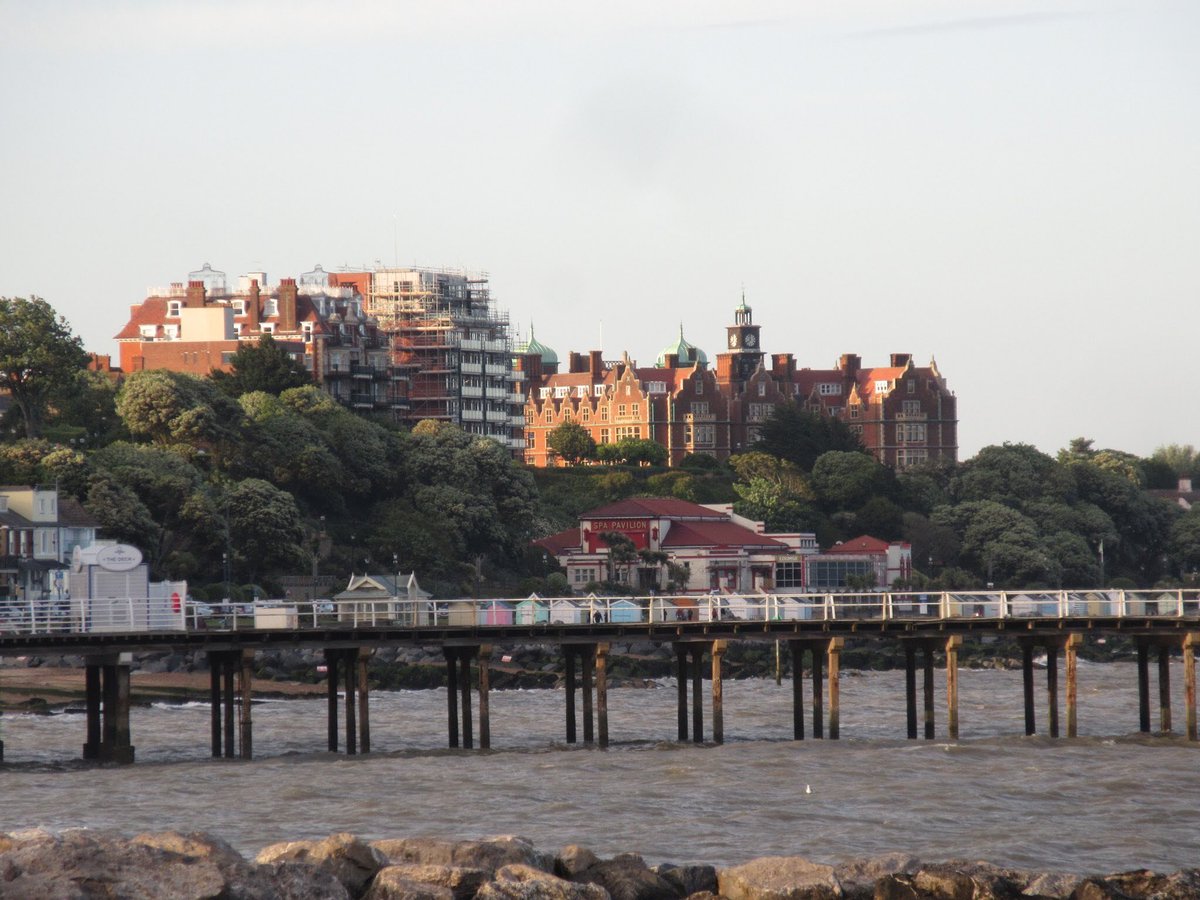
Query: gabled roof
{"type": "Point", "coordinates": [561, 542]}
{"type": "Point", "coordinates": [151, 311]}
{"type": "Point", "coordinates": [861, 544]}
{"type": "Point", "coordinates": [654, 507]}
{"type": "Point", "coordinates": [717, 534]}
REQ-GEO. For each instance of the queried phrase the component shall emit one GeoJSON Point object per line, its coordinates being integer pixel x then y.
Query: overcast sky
{"type": "Point", "coordinates": [1012, 187]}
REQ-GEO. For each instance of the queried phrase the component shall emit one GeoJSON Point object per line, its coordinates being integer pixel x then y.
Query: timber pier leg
{"type": "Point", "coordinates": [485, 715]}
{"type": "Point", "coordinates": [602, 692]}
{"type": "Point", "coordinates": [245, 722]}
{"type": "Point", "coordinates": [1164, 688]}
{"type": "Point", "coordinates": [835, 692]}
{"type": "Point", "coordinates": [1143, 670]}
{"type": "Point", "coordinates": [910, 688]}
{"type": "Point", "coordinates": [797, 650]}
{"type": "Point", "coordinates": [569, 660]}
{"type": "Point", "coordinates": [227, 672]}
{"type": "Point", "coordinates": [1071, 646]}
{"type": "Point", "coordinates": [451, 654]}
{"type": "Point", "coordinates": [952, 644]}
{"type": "Point", "coordinates": [464, 685]}
{"type": "Point", "coordinates": [697, 694]}
{"type": "Point", "coordinates": [1189, 683]}
{"type": "Point", "coordinates": [363, 657]}
{"type": "Point", "coordinates": [347, 660]}
{"type": "Point", "coordinates": [928, 685]}
{"type": "Point", "coordinates": [587, 663]}
{"type": "Point", "coordinates": [818, 716]}
{"type": "Point", "coordinates": [108, 711]}
{"type": "Point", "coordinates": [91, 749]}
{"type": "Point", "coordinates": [1052, 686]}
{"type": "Point", "coordinates": [718, 700]}
{"type": "Point", "coordinates": [1027, 681]}
{"type": "Point", "coordinates": [681, 652]}
{"type": "Point", "coordinates": [331, 700]}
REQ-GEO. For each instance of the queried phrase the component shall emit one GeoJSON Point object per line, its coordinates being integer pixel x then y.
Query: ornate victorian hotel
{"type": "Point", "coordinates": [903, 413]}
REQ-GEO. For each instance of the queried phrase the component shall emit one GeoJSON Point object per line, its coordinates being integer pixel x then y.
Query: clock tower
{"type": "Point", "coordinates": [743, 342]}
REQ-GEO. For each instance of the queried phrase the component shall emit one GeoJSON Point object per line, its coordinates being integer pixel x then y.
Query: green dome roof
{"type": "Point", "coordinates": [549, 357]}
{"type": "Point", "coordinates": [688, 354]}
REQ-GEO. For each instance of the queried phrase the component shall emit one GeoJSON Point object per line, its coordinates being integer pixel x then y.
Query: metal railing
{"type": "Point", "coordinates": [138, 615]}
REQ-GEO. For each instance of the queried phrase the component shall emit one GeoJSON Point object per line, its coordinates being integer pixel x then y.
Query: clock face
{"type": "Point", "coordinates": [751, 340]}
{"type": "Point", "coordinates": [733, 339]}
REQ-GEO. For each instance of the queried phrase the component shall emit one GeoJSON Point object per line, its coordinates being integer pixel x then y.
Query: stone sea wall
{"type": "Point", "coordinates": [84, 864]}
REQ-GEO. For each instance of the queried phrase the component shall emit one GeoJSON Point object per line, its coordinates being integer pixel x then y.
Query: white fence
{"type": "Point", "coordinates": [142, 616]}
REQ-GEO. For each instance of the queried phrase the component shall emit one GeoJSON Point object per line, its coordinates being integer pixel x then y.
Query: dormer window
{"type": "Point", "coordinates": [149, 331]}
{"type": "Point", "coordinates": [268, 327]}
{"type": "Point", "coordinates": [239, 307]}
{"type": "Point", "coordinates": [171, 332]}
{"type": "Point", "coordinates": [173, 308]}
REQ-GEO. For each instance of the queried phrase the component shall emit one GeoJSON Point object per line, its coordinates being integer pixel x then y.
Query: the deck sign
{"type": "Point", "coordinates": [119, 558]}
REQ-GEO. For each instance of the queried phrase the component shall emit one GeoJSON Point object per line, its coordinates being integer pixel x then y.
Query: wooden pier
{"type": "Point", "coordinates": [699, 649]}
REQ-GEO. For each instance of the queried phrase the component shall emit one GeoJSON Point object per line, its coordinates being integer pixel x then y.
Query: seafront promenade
{"type": "Point", "coordinates": [930, 627]}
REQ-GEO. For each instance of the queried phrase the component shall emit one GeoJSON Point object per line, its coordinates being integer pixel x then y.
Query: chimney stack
{"type": "Point", "coordinates": [252, 307]}
{"type": "Point", "coordinates": [195, 295]}
{"type": "Point", "coordinates": [287, 305]}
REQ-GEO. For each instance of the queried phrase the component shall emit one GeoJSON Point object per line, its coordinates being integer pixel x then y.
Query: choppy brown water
{"type": "Point", "coordinates": [1109, 800]}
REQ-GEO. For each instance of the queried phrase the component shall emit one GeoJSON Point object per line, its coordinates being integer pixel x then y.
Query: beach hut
{"type": "Point", "coordinates": [613, 609]}
{"type": "Point", "coordinates": [791, 608]}
{"type": "Point", "coordinates": [565, 612]}
{"type": "Point", "coordinates": [674, 609]}
{"type": "Point", "coordinates": [384, 598]}
{"type": "Point", "coordinates": [461, 612]}
{"type": "Point", "coordinates": [495, 612]}
{"type": "Point", "coordinates": [532, 611]}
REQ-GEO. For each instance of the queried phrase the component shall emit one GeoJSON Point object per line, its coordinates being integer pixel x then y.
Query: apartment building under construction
{"type": "Point", "coordinates": [447, 334]}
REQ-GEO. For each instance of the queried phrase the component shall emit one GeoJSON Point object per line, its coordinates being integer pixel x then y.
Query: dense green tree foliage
{"type": "Point", "coordinates": [38, 356]}
{"type": "Point", "coordinates": [802, 437]}
{"type": "Point", "coordinates": [265, 366]}
{"type": "Point", "coordinates": [571, 443]}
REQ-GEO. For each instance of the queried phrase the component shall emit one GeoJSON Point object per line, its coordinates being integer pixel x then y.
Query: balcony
{"type": "Point", "coordinates": [500, 369]}
{"type": "Point", "coordinates": [360, 399]}
{"type": "Point", "coordinates": [360, 371]}
{"type": "Point", "coordinates": [494, 393]}
{"type": "Point", "coordinates": [472, 368]}
{"type": "Point", "coordinates": [471, 415]}
{"type": "Point", "coordinates": [472, 390]}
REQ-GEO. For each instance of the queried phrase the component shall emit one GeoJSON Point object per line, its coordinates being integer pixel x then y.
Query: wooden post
{"type": "Point", "coordinates": [928, 684]}
{"type": "Point", "coordinates": [230, 719]}
{"type": "Point", "coordinates": [485, 681]}
{"type": "Point", "coordinates": [246, 687]}
{"type": "Point", "coordinates": [587, 662]}
{"type": "Point", "coordinates": [1071, 647]}
{"type": "Point", "coordinates": [681, 682]}
{"type": "Point", "coordinates": [121, 750]}
{"type": "Point", "coordinates": [331, 700]}
{"type": "Point", "coordinates": [1052, 686]}
{"type": "Point", "coordinates": [347, 658]}
{"type": "Point", "coordinates": [1164, 688]}
{"type": "Point", "coordinates": [1027, 680]}
{"type": "Point", "coordinates": [464, 684]}
{"type": "Point", "coordinates": [451, 654]}
{"type": "Point", "coordinates": [697, 694]}
{"type": "Point", "coordinates": [797, 649]}
{"type": "Point", "coordinates": [362, 658]}
{"type": "Point", "coordinates": [818, 716]}
{"type": "Point", "coordinates": [1189, 683]}
{"type": "Point", "coordinates": [91, 749]}
{"type": "Point", "coordinates": [718, 701]}
{"type": "Point", "coordinates": [952, 644]}
{"type": "Point", "coordinates": [602, 692]}
{"type": "Point", "coordinates": [1143, 670]}
{"type": "Point", "coordinates": [569, 660]}
{"type": "Point", "coordinates": [910, 688]}
{"type": "Point", "coordinates": [835, 691]}
{"type": "Point", "coordinates": [108, 719]}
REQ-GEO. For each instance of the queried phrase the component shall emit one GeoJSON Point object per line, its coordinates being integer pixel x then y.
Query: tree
{"type": "Point", "coordinates": [265, 366]}
{"type": "Point", "coordinates": [1012, 474]}
{"type": "Point", "coordinates": [38, 353]}
{"type": "Point", "coordinates": [172, 409]}
{"type": "Point", "coordinates": [793, 434]}
{"type": "Point", "coordinates": [571, 442]}
{"type": "Point", "coordinates": [846, 480]}
{"type": "Point", "coordinates": [1182, 459]}
{"type": "Point", "coordinates": [265, 532]}
{"type": "Point", "coordinates": [1185, 542]}
{"type": "Point", "coordinates": [621, 552]}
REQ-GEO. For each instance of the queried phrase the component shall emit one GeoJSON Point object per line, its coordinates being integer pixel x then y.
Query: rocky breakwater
{"type": "Point", "coordinates": [85, 864]}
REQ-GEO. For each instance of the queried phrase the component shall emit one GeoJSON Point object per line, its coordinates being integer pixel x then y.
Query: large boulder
{"type": "Point", "coordinates": [391, 884]}
{"type": "Point", "coordinates": [858, 878]}
{"type": "Point", "coordinates": [779, 878]}
{"type": "Point", "coordinates": [522, 882]}
{"type": "Point", "coordinates": [489, 854]}
{"type": "Point", "coordinates": [573, 859]}
{"type": "Point", "coordinates": [689, 880]}
{"type": "Point", "coordinates": [1139, 884]}
{"type": "Point", "coordinates": [626, 877]}
{"type": "Point", "coordinates": [461, 883]}
{"type": "Point", "coordinates": [970, 881]}
{"type": "Point", "coordinates": [350, 860]}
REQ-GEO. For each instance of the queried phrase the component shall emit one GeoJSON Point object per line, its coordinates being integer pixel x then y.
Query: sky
{"type": "Point", "coordinates": [1010, 187]}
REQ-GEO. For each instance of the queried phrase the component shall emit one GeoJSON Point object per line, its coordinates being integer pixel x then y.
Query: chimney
{"type": "Point", "coordinates": [671, 361]}
{"type": "Point", "coordinates": [596, 365]}
{"type": "Point", "coordinates": [900, 360]}
{"type": "Point", "coordinates": [252, 307]}
{"type": "Point", "coordinates": [287, 305]}
{"type": "Point", "coordinates": [783, 365]}
{"type": "Point", "coordinates": [575, 363]}
{"type": "Point", "coordinates": [850, 364]}
{"type": "Point", "coordinates": [195, 295]}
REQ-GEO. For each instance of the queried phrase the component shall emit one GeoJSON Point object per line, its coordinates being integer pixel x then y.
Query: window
{"type": "Point", "coordinates": [762, 389]}
{"type": "Point", "coordinates": [581, 390]}
{"type": "Point", "coordinates": [628, 431]}
{"type": "Point", "coordinates": [227, 358]}
{"type": "Point", "coordinates": [604, 436]}
{"type": "Point", "coordinates": [704, 435]}
{"type": "Point", "coordinates": [562, 390]}
{"type": "Point", "coordinates": [173, 308]}
{"type": "Point", "coordinates": [911, 457]}
{"type": "Point", "coordinates": [759, 412]}
{"type": "Point", "coordinates": [543, 393]}
{"type": "Point", "coordinates": [621, 411]}
{"type": "Point", "coordinates": [789, 575]}
{"type": "Point", "coordinates": [912, 407]}
{"type": "Point", "coordinates": [882, 387]}
{"type": "Point", "coordinates": [699, 408]}
{"type": "Point", "coordinates": [636, 410]}
{"type": "Point", "coordinates": [528, 417]}
{"type": "Point", "coordinates": [910, 433]}
{"type": "Point", "coordinates": [857, 429]}
{"type": "Point", "coordinates": [604, 414]}
{"type": "Point", "coordinates": [582, 575]}
{"type": "Point", "coordinates": [657, 387]}
{"type": "Point", "coordinates": [912, 386]}
{"type": "Point", "coordinates": [530, 440]}
{"type": "Point", "coordinates": [854, 410]}
{"type": "Point", "coordinates": [699, 386]}
{"type": "Point", "coordinates": [585, 414]}
{"type": "Point", "coordinates": [567, 415]}
{"type": "Point", "coordinates": [549, 415]}
{"type": "Point", "coordinates": [149, 331]}
{"type": "Point", "coordinates": [171, 332]}
{"type": "Point", "coordinates": [829, 389]}
{"type": "Point", "coordinates": [597, 390]}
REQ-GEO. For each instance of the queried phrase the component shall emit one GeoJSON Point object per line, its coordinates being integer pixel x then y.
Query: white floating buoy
{"type": "Point", "coordinates": [808, 789]}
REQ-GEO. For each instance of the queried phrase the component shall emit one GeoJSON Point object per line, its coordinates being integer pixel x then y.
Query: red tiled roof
{"type": "Point", "coordinates": [152, 311]}
{"type": "Point", "coordinates": [862, 544]}
{"type": "Point", "coordinates": [656, 507]}
{"type": "Point", "coordinates": [717, 534]}
{"type": "Point", "coordinates": [561, 542]}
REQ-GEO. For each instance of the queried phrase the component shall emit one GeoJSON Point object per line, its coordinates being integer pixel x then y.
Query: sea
{"type": "Point", "coordinates": [1109, 800]}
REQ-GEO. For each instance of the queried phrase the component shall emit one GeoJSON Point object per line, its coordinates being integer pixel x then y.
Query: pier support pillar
{"type": "Point", "coordinates": [362, 658]}
{"type": "Point", "coordinates": [697, 693]}
{"type": "Point", "coordinates": [1052, 686]}
{"type": "Point", "coordinates": [835, 691]}
{"type": "Point", "coordinates": [223, 666]}
{"type": "Point", "coordinates": [1071, 647]}
{"type": "Point", "coordinates": [928, 686]}
{"type": "Point", "coordinates": [485, 683]}
{"type": "Point", "coordinates": [818, 715]}
{"type": "Point", "coordinates": [569, 662]}
{"type": "Point", "coordinates": [91, 748]}
{"type": "Point", "coordinates": [602, 692]}
{"type": "Point", "coordinates": [1143, 672]}
{"type": "Point", "coordinates": [1027, 683]}
{"type": "Point", "coordinates": [464, 685]}
{"type": "Point", "coordinates": [1189, 683]}
{"type": "Point", "coordinates": [108, 736]}
{"type": "Point", "coordinates": [451, 655]}
{"type": "Point", "coordinates": [681, 654]}
{"type": "Point", "coordinates": [245, 720]}
{"type": "Point", "coordinates": [910, 688]}
{"type": "Point", "coordinates": [350, 679]}
{"type": "Point", "coordinates": [718, 700]}
{"type": "Point", "coordinates": [587, 663]}
{"type": "Point", "coordinates": [952, 644]}
{"type": "Point", "coordinates": [1164, 688]}
{"type": "Point", "coordinates": [797, 650]}
{"type": "Point", "coordinates": [228, 670]}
